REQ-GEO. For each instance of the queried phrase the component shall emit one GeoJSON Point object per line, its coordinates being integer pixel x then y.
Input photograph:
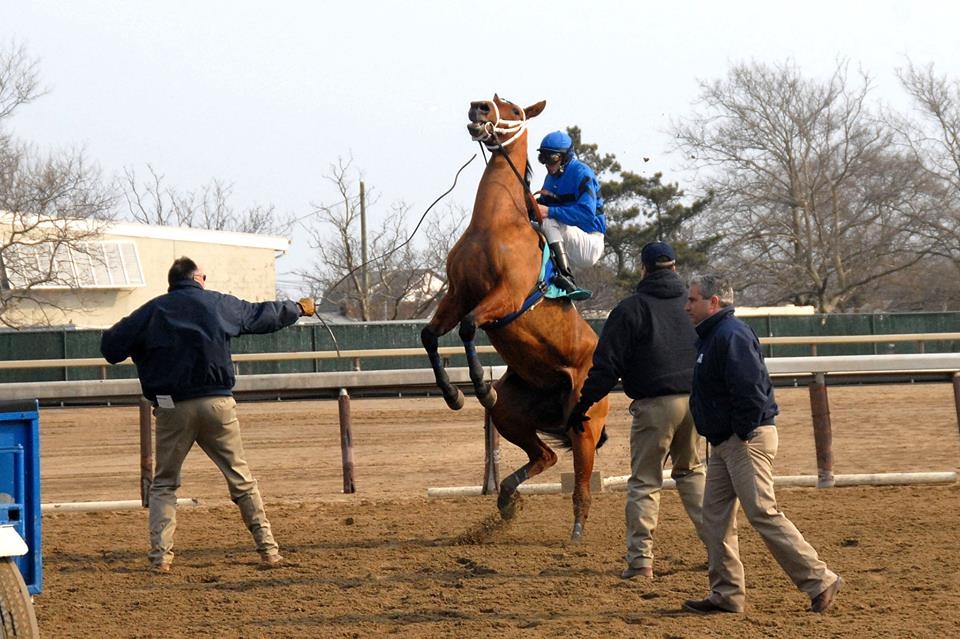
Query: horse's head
{"type": "Point", "coordinates": [499, 122]}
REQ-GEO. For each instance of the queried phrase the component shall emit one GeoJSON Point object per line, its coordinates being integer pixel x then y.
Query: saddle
{"type": "Point", "coordinates": [542, 289]}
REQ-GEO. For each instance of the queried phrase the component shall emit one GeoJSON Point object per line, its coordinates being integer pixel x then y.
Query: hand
{"type": "Point", "coordinates": [534, 207]}
{"type": "Point", "coordinates": [577, 419]}
{"type": "Point", "coordinates": [307, 307]}
{"type": "Point", "coordinates": [543, 212]}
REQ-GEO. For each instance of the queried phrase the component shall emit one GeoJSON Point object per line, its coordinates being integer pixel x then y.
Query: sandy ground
{"type": "Point", "coordinates": [387, 560]}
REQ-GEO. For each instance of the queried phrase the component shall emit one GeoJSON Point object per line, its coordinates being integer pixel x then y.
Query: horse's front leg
{"type": "Point", "coordinates": [429, 337]}
{"type": "Point", "coordinates": [485, 392]}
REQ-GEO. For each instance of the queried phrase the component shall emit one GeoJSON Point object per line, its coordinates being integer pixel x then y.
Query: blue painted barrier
{"type": "Point", "coordinates": [20, 483]}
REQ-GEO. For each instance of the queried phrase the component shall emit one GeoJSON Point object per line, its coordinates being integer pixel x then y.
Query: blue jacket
{"type": "Point", "coordinates": [647, 342]}
{"type": "Point", "coordinates": [180, 341]}
{"type": "Point", "coordinates": [732, 392]}
{"type": "Point", "coordinates": [576, 198]}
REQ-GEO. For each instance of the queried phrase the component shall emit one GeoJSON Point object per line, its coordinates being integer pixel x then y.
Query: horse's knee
{"type": "Point", "coordinates": [429, 339]}
{"type": "Point", "coordinates": [549, 457]}
{"type": "Point", "coordinates": [468, 328]}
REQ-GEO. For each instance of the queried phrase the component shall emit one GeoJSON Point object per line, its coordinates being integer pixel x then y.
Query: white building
{"type": "Point", "coordinates": [125, 266]}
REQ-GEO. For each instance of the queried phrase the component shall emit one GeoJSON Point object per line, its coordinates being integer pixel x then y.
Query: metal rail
{"type": "Point", "coordinates": [339, 384]}
{"type": "Point", "coordinates": [447, 351]}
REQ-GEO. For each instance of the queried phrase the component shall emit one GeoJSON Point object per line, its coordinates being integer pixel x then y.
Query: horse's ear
{"type": "Point", "coordinates": [535, 109]}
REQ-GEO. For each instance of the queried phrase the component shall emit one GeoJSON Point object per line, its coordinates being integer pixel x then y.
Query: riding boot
{"type": "Point", "coordinates": [563, 278]}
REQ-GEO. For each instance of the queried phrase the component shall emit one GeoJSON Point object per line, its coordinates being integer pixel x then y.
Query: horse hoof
{"type": "Point", "coordinates": [455, 401]}
{"type": "Point", "coordinates": [577, 535]}
{"type": "Point", "coordinates": [489, 400]}
{"type": "Point", "coordinates": [509, 507]}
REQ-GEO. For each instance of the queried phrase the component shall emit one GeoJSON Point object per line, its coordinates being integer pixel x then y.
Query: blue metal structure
{"type": "Point", "coordinates": [20, 483]}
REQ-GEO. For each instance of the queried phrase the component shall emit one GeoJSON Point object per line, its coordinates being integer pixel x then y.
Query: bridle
{"type": "Point", "coordinates": [492, 132]}
{"type": "Point", "coordinates": [490, 135]}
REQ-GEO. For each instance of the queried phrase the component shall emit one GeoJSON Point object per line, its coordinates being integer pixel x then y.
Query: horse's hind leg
{"type": "Point", "coordinates": [541, 458]}
{"type": "Point", "coordinates": [429, 337]}
{"type": "Point", "coordinates": [516, 421]}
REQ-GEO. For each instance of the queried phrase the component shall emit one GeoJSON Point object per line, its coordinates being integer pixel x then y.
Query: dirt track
{"type": "Point", "coordinates": [387, 560]}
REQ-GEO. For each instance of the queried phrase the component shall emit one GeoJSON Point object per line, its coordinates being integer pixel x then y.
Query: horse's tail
{"type": "Point", "coordinates": [561, 438]}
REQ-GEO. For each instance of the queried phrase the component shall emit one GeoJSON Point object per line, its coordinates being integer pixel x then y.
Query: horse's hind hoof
{"type": "Point", "coordinates": [510, 506]}
{"type": "Point", "coordinates": [454, 401]}
{"type": "Point", "coordinates": [577, 535]}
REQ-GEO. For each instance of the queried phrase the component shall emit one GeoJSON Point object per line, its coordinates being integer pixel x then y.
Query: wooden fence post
{"type": "Point", "coordinates": [346, 442]}
{"type": "Point", "coordinates": [491, 457]}
{"type": "Point", "coordinates": [146, 450]}
{"type": "Point", "coordinates": [822, 430]}
{"type": "Point", "coordinates": [956, 395]}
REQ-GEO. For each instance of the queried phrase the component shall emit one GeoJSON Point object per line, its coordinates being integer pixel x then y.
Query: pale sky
{"type": "Point", "coordinates": [268, 95]}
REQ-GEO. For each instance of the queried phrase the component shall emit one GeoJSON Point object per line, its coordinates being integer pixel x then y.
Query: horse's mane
{"type": "Point", "coordinates": [528, 174]}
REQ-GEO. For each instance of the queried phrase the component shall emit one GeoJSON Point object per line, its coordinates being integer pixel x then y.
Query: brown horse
{"type": "Point", "coordinates": [491, 272]}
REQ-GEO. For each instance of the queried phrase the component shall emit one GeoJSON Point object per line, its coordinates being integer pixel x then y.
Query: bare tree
{"type": "Point", "coordinates": [934, 141]}
{"type": "Point", "coordinates": [151, 201]}
{"type": "Point", "coordinates": [813, 200]}
{"type": "Point", "coordinates": [52, 207]}
{"type": "Point", "coordinates": [399, 280]}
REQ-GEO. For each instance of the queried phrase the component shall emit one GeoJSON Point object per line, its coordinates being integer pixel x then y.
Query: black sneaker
{"type": "Point", "coordinates": [704, 607]}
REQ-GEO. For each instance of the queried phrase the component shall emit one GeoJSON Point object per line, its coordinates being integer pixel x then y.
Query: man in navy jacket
{"type": "Point", "coordinates": [180, 343]}
{"type": "Point", "coordinates": [733, 406]}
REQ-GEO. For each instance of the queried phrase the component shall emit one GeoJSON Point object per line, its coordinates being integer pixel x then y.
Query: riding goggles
{"type": "Point", "coordinates": [549, 157]}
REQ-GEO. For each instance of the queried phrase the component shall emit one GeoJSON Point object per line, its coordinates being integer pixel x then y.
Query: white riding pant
{"type": "Point", "coordinates": [583, 249]}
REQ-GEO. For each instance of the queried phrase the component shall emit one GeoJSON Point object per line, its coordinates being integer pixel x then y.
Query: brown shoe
{"type": "Point", "coordinates": [161, 568]}
{"type": "Point", "coordinates": [826, 598]}
{"type": "Point", "coordinates": [704, 607]}
{"type": "Point", "coordinates": [271, 561]}
{"type": "Point", "coordinates": [643, 571]}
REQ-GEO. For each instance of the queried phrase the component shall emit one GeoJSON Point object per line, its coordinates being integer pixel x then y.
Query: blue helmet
{"type": "Point", "coordinates": [558, 141]}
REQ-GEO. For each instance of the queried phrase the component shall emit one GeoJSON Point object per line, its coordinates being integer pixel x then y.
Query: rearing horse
{"type": "Point", "coordinates": [492, 274]}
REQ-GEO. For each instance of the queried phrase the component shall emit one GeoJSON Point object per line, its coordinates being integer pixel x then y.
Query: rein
{"type": "Point", "coordinates": [394, 249]}
{"type": "Point", "coordinates": [489, 138]}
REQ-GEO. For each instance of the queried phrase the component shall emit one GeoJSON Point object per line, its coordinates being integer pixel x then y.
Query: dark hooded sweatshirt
{"type": "Point", "coordinates": [648, 342]}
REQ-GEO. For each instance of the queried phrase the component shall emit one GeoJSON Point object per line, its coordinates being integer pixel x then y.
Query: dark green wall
{"type": "Point", "coordinates": [62, 344]}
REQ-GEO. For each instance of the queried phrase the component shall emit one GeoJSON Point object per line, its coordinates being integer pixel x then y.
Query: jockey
{"type": "Point", "coordinates": [570, 209]}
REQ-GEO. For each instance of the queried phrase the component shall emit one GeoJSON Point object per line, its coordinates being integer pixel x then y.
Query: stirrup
{"type": "Point", "coordinates": [564, 282]}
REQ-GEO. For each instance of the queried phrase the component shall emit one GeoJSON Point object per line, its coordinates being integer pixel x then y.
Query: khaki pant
{"type": "Point", "coordinates": [212, 423]}
{"type": "Point", "coordinates": [661, 426]}
{"type": "Point", "coordinates": [740, 472]}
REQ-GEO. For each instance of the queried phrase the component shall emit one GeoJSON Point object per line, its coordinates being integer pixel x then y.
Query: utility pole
{"type": "Point", "coordinates": [364, 278]}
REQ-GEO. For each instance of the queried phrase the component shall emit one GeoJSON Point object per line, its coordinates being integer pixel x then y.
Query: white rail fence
{"type": "Point", "coordinates": [816, 369]}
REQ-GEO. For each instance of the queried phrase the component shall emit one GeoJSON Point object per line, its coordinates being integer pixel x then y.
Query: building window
{"type": "Point", "coordinates": [105, 264]}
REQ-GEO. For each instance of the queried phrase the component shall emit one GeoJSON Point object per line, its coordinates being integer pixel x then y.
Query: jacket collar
{"type": "Point", "coordinates": [183, 284]}
{"type": "Point", "coordinates": [706, 327]}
